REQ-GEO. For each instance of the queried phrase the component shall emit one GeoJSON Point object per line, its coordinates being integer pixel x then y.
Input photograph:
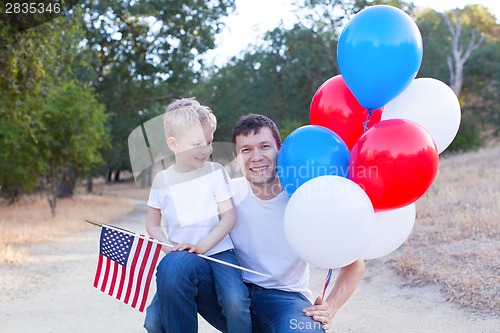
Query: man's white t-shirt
{"type": "Point", "coordinates": [188, 203]}
{"type": "Point", "coordinates": [260, 242]}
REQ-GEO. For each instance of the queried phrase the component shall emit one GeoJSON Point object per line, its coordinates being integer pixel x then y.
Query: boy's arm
{"type": "Point", "coordinates": [225, 225]}
{"type": "Point", "coordinates": [154, 228]}
{"type": "Point", "coordinates": [346, 283]}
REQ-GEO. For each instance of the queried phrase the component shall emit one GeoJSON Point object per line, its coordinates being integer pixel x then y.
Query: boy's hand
{"type": "Point", "coordinates": [187, 247]}
{"type": "Point", "coordinates": [166, 249]}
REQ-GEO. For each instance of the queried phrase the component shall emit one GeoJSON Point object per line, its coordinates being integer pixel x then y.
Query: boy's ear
{"type": "Point", "coordinates": [172, 144]}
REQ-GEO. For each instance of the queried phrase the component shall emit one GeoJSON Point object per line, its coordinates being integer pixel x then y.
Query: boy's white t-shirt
{"type": "Point", "coordinates": [188, 203]}
{"type": "Point", "coordinates": [260, 242]}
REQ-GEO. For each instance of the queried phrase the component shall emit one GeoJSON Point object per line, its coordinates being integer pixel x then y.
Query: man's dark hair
{"type": "Point", "coordinates": [252, 124]}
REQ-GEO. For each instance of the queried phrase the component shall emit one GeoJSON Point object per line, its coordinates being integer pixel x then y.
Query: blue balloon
{"type": "Point", "coordinates": [379, 54]}
{"type": "Point", "coordinates": [311, 151]}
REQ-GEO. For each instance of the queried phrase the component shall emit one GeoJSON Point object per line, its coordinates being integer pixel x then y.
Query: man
{"type": "Point", "coordinates": [279, 304]}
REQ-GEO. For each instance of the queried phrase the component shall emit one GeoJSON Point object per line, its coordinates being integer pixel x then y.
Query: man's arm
{"type": "Point", "coordinates": [346, 283]}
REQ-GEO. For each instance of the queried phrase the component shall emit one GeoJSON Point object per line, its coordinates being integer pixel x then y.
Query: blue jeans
{"type": "Point", "coordinates": [174, 307]}
{"type": "Point", "coordinates": [187, 284]}
{"type": "Point", "coordinates": [232, 293]}
{"type": "Point", "coordinates": [278, 311]}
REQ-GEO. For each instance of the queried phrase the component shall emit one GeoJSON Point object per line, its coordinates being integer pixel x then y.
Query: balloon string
{"type": "Point", "coordinates": [367, 121]}
{"type": "Point", "coordinates": [327, 282]}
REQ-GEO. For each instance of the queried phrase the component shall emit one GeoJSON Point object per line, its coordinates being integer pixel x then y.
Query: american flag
{"type": "Point", "coordinates": [126, 265]}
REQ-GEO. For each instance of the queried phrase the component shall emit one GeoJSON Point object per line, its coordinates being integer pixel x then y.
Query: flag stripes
{"type": "Point", "coordinates": [125, 266]}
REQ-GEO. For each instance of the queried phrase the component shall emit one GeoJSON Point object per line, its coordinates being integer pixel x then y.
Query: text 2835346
{"type": "Point", "coordinates": [32, 8]}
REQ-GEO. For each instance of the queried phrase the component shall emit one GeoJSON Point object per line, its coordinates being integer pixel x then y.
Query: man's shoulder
{"type": "Point", "coordinates": [239, 188]}
{"type": "Point", "coordinates": [239, 182]}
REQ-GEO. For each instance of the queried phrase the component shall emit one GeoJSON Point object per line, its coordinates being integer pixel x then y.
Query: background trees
{"type": "Point", "coordinates": [144, 54]}
{"type": "Point", "coordinates": [111, 65]}
{"type": "Point", "coordinates": [280, 77]}
{"type": "Point", "coordinates": [464, 58]}
{"type": "Point", "coordinates": [71, 86]}
{"type": "Point", "coordinates": [52, 125]}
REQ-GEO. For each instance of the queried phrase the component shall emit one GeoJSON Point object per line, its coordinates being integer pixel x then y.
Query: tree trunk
{"type": "Point", "coordinates": [90, 185]}
{"type": "Point", "coordinates": [117, 175]}
{"type": "Point", "coordinates": [67, 183]}
{"type": "Point", "coordinates": [459, 56]}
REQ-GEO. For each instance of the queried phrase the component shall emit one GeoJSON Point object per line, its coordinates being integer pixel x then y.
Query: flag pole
{"type": "Point", "coordinates": [170, 245]}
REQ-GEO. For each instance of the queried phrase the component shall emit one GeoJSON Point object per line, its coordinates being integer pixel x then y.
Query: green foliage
{"type": "Point", "coordinates": [481, 72]}
{"type": "Point", "coordinates": [288, 126]}
{"type": "Point", "coordinates": [278, 80]}
{"type": "Point", "coordinates": [144, 54]}
{"type": "Point", "coordinates": [19, 161]}
{"type": "Point", "coordinates": [22, 60]}
{"type": "Point", "coordinates": [74, 129]}
{"type": "Point", "coordinates": [482, 81]}
{"type": "Point", "coordinates": [468, 136]}
{"type": "Point", "coordinates": [51, 121]}
{"type": "Point", "coordinates": [436, 47]}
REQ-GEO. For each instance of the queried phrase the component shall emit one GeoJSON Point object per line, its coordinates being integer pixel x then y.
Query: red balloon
{"type": "Point", "coordinates": [335, 107]}
{"type": "Point", "coordinates": [395, 162]}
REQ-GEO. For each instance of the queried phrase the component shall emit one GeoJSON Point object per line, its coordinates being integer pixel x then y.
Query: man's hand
{"type": "Point", "coordinates": [320, 312]}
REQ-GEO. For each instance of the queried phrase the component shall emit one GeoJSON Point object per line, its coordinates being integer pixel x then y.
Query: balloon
{"type": "Point", "coordinates": [311, 151]}
{"type": "Point", "coordinates": [335, 107]}
{"type": "Point", "coordinates": [329, 221]}
{"type": "Point", "coordinates": [395, 162]}
{"type": "Point", "coordinates": [431, 104]}
{"type": "Point", "coordinates": [379, 54]}
{"type": "Point", "coordinates": [391, 229]}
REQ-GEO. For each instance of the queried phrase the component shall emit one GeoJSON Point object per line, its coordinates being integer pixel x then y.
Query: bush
{"type": "Point", "coordinates": [468, 136]}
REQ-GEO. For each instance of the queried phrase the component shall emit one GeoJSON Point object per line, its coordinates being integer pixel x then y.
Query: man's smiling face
{"type": "Point", "coordinates": [257, 156]}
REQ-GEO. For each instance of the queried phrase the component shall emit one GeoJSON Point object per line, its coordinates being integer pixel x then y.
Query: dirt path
{"type": "Point", "coordinates": [52, 292]}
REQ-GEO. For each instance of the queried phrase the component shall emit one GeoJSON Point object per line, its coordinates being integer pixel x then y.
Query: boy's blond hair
{"type": "Point", "coordinates": [185, 113]}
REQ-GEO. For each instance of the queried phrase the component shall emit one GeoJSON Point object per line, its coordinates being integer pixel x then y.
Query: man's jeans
{"type": "Point", "coordinates": [185, 286]}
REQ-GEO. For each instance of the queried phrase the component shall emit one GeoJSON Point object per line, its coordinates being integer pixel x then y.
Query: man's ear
{"type": "Point", "coordinates": [172, 144]}
{"type": "Point", "coordinates": [235, 159]}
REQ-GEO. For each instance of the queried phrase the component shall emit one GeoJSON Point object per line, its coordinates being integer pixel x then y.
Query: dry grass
{"type": "Point", "coordinates": [455, 239]}
{"type": "Point", "coordinates": [29, 221]}
{"type": "Point", "coordinates": [125, 189]}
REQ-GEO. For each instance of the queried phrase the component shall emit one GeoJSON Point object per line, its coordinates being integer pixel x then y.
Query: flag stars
{"type": "Point", "coordinates": [116, 246]}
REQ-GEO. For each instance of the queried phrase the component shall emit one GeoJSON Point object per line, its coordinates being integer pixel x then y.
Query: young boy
{"type": "Point", "coordinates": [194, 199]}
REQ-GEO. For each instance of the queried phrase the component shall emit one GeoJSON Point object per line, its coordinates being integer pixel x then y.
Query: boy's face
{"type": "Point", "coordinates": [257, 155]}
{"type": "Point", "coordinates": [192, 147]}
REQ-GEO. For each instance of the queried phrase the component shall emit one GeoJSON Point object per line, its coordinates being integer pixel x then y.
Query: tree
{"type": "Point", "coordinates": [479, 84]}
{"type": "Point", "coordinates": [19, 162]}
{"type": "Point", "coordinates": [74, 131]}
{"type": "Point", "coordinates": [145, 54]}
{"type": "Point", "coordinates": [22, 60]}
{"type": "Point", "coordinates": [28, 65]}
{"type": "Point", "coordinates": [46, 151]}
{"type": "Point", "coordinates": [474, 22]}
{"type": "Point", "coordinates": [435, 46]}
{"type": "Point", "coordinates": [482, 85]}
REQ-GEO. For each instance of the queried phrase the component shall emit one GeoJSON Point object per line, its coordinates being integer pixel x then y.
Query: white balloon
{"type": "Point", "coordinates": [329, 221]}
{"type": "Point", "coordinates": [392, 228]}
{"type": "Point", "coordinates": [431, 104]}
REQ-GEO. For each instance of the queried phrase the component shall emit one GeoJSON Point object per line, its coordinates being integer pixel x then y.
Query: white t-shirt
{"type": "Point", "coordinates": [188, 203]}
{"type": "Point", "coordinates": [260, 242]}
